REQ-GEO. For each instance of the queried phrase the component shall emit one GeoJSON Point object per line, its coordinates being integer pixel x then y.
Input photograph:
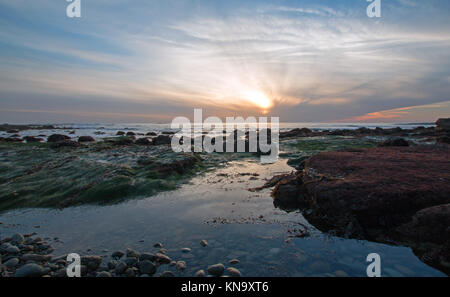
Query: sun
{"type": "Point", "coordinates": [259, 99]}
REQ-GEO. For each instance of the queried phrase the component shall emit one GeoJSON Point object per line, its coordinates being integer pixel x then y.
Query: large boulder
{"type": "Point", "coordinates": [385, 194]}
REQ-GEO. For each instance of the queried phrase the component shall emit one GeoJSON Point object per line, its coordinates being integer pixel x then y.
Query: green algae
{"type": "Point", "coordinates": [299, 149]}
{"type": "Point", "coordinates": [35, 175]}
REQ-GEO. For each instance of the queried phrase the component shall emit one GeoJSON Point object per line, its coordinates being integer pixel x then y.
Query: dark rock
{"type": "Point", "coordinates": [31, 270]}
{"type": "Point", "coordinates": [216, 270]}
{"type": "Point", "coordinates": [86, 139]}
{"type": "Point", "coordinates": [104, 274]}
{"type": "Point", "coordinates": [161, 258]}
{"type": "Point", "coordinates": [147, 256]}
{"type": "Point", "coordinates": [57, 138]}
{"type": "Point", "coordinates": [443, 124]}
{"type": "Point", "coordinates": [120, 133]}
{"type": "Point", "coordinates": [443, 139]}
{"type": "Point", "coordinates": [65, 143]}
{"type": "Point", "coordinates": [131, 134]}
{"type": "Point", "coordinates": [162, 139]}
{"type": "Point", "coordinates": [151, 134]}
{"type": "Point", "coordinates": [143, 141]}
{"type": "Point", "coordinates": [370, 193]}
{"type": "Point", "coordinates": [147, 267]}
{"type": "Point", "coordinates": [394, 142]}
{"type": "Point", "coordinates": [30, 139]}
{"type": "Point", "coordinates": [91, 262]}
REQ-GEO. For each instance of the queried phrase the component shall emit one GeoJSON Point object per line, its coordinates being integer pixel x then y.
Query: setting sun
{"type": "Point", "coordinates": [258, 98]}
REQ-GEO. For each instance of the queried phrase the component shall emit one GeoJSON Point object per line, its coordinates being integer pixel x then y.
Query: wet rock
{"type": "Point", "coordinates": [340, 273]}
{"type": "Point", "coordinates": [394, 142]}
{"type": "Point", "coordinates": [158, 245]}
{"type": "Point", "coordinates": [443, 139]}
{"type": "Point", "coordinates": [443, 124]}
{"type": "Point", "coordinates": [162, 139]}
{"type": "Point", "coordinates": [151, 134]}
{"type": "Point", "coordinates": [143, 141]}
{"type": "Point", "coordinates": [104, 274]}
{"type": "Point", "coordinates": [131, 261]}
{"type": "Point", "coordinates": [203, 243]}
{"type": "Point", "coordinates": [17, 238]}
{"type": "Point", "coordinates": [147, 267]}
{"type": "Point", "coordinates": [11, 263]}
{"type": "Point", "coordinates": [65, 143]}
{"type": "Point", "coordinates": [186, 250]}
{"type": "Point", "coordinates": [112, 264]}
{"type": "Point", "coordinates": [120, 133]}
{"type": "Point", "coordinates": [91, 262]}
{"type": "Point", "coordinates": [200, 273]}
{"type": "Point", "coordinates": [86, 139]}
{"type": "Point", "coordinates": [181, 265]}
{"type": "Point", "coordinates": [32, 139]}
{"type": "Point", "coordinates": [12, 249]}
{"type": "Point", "coordinates": [117, 254]}
{"type": "Point", "coordinates": [121, 267]}
{"type": "Point", "coordinates": [57, 138]}
{"type": "Point", "coordinates": [167, 274]}
{"type": "Point", "coordinates": [130, 272]}
{"type": "Point", "coordinates": [234, 261]}
{"type": "Point", "coordinates": [36, 257]}
{"type": "Point", "coordinates": [216, 269]}
{"type": "Point", "coordinates": [163, 251]}
{"type": "Point", "coordinates": [31, 270]}
{"type": "Point", "coordinates": [161, 258]}
{"type": "Point", "coordinates": [131, 134]}
{"type": "Point", "coordinates": [233, 272]}
{"type": "Point", "coordinates": [132, 253]}
{"type": "Point", "coordinates": [147, 256]}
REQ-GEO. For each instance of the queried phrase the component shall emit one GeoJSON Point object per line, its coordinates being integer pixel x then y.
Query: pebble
{"type": "Point", "coordinates": [104, 274]}
{"type": "Point", "coordinates": [121, 267]}
{"type": "Point", "coordinates": [163, 251]}
{"type": "Point", "coordinates": [147, 267]}
{"type": "Point", "coordinates": [167, 274]}
{"type": "Point", "coordinates": [147, 256]}
{"type": "Point", "coordinates": [216, 269]}
{"type": "Point", "coordinates": [163, 258]}
{"type": "Point", "coordinates": [17, 238]}
{"type": "Point", "coordinates": [234, 261]}
{"type": "Point", "coordinates": [30, 270]}
{"type": "Point", "coordinates": [200, 273]}
{"type": "Point", "coordinates": [132, 253]}
{"type": "Point", "coordinates": [233, 272]}
{"type": "Point", "coordinates": [340, 273]}
{"type": "Point", "coordinates": [130, 272]}
{"type": "Point", "coordinates": [11, 263]}
{"type": "Point", "coordinates": [203, 243]}
{"type": "Point", "coordinates": [12, 249]}
{"type": "Point", "coordinates": [158, 245]}
{"type": "Point", "coordinates": [112, 264]}
{"type": "Point", "coordinates": [181, 265]}
{"type": "Point", "coordinates": [36, 257]}
{"type": "Point", "coordinates": [186, 250]}
{"type": "Point", "coordinates": [117, 255]}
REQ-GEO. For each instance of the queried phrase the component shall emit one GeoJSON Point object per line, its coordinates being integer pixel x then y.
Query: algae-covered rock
{"type": "Point", "coordinates": [38, 175]}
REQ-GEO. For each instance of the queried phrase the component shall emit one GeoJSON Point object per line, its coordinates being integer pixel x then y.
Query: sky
{"type": "Point", "coordinates": [153, 60]}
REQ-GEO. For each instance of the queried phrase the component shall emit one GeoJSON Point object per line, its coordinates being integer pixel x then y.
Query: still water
{"type": "Point", "coordinates": [215, 206]}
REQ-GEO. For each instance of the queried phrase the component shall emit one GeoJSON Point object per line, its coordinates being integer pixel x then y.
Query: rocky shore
{"type": "Point", "coordinates": [397, 193]}
{"type": "Point", "coordinates": [30, 256]}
